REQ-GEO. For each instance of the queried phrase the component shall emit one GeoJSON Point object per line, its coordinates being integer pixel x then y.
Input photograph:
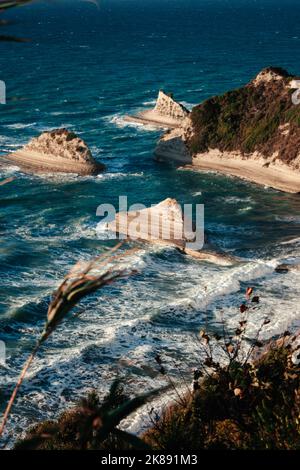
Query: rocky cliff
{"type": "Point", "coordinates": [167, 106]}
{"type": "Point", "coordinates": [165, 224]}
{"type": "Point", "coordinates": [167, 113]}
{"type": "Point", "coordinates": [256, 123]}
{"type": "Point", "coordinates": [59, 150]}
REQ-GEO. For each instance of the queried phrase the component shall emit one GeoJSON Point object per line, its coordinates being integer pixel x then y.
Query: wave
{"type": "Point", "coordinates": [9, 169]}
{"type": "Point", "coordinates": [69, 177]}
{"type": "Point", "coordinates": [119, 175]}
{"type": "Point", "coordinates": [188, 105]}
{"type": "Point", "coordinates": [291, 242]}
{"type": "Point", "coordinates": [245, 209]}
{"type": "Point", "coordinates": [120, 121]}
{"type": "Point", "coordinates": [235, 199]}
{"type": "Point", "coordinates": [44, 232]}
{"type": "Point", "coordinates": [120, 332]}
{"type": "Point", "coordinates": [65, 113]}
{"type": "Point", "coordinates": [149, 103]}
{"type": "Point", "coordinates": [293, 219]}
{"type": "Point", "coordinates": [20, 125]}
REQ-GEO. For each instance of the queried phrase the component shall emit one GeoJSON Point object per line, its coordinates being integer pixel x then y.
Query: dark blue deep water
{"type": "Point", "coordinates": [84, 69]}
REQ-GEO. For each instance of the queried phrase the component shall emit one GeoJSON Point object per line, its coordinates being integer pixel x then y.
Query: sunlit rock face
{"type": "Point", "coordinates": [161, 224]}
{"type": "Point", "coordinates": [167, 106]}
{"type": "Point", "coordinates": [57, 151]}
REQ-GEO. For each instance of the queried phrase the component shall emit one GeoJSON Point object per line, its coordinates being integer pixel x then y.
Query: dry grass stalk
{"type": "Point", "coordinates": [5, 4]}
{"type": "Point", "coordinates": [7, 180]}
{"type": "Point", "coordinates": [83, 279]}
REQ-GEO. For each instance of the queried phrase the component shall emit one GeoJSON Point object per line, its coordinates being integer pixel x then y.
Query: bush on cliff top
{"type": "Point", "coordinates": [241, 407]}
{"type": "Point", "coordinates": [248, 119]}
{"type": "Point", "coordinates": [247, 407]}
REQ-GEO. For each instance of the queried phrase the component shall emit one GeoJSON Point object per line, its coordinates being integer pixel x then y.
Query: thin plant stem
{"type": "Point", "coordinates": [63, 302]}
{"type": "Point", "coordinates": [18, 385]}
{"type": "Point", "coordinates": [7, 180]}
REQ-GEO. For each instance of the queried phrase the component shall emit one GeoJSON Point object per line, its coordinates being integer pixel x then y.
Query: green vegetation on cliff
{"type": "Point", "coordinates": [244, 407]}
{"type": "Point", "coordinates": [251, 118]}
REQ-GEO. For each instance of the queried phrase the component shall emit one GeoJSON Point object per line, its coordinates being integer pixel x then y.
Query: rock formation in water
{"type": "Point", "coordinates": [168, 107]}
{"type": "Point", "coordinates": [56, 151]}
{"type": "Point", "coordinates": [287, 267]}
{"type": "Point", "coordinates": [166, 224]}
{"type": "Point", "coordinates": [167, 113]}
{"type": "Point", "coordinates": [252, 132]}
{"type": "Point", "coordinates": [162, 224]}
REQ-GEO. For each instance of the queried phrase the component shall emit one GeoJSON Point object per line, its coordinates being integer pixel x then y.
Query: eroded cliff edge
{"type": "Point", "coordinates": [252, 132]}
{"type": "Point", "coordinates": [167, 113]}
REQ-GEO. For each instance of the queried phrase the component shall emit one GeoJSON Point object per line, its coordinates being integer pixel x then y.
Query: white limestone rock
{"type": "Point", "coordinates": [56, 151]}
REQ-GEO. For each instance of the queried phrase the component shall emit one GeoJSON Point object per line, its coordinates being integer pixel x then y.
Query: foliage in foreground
{"type": "Point", "coordinates": [84, 279]}
{"type": "Point", "coordinates": [8, 4]}
{"type": "Point", "coordinates": [91, 425]}
{"type": "Point", "coordinates": [244, 406]}
{"type": "Point", "coordinates": [241, 398]}
{"type": "Point", "coordinates": [245, 395]}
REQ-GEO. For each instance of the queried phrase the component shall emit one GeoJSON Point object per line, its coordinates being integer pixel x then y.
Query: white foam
{"type": "Point", "coordinates": [20, 125]}
{"type": "Point", "coordinates": [80, 228]}
{"type": "Point", "coordinates": [119, 175]}
{"type": "Point", "coordinates": [245, 209]}
{"type": "Point", "coordinates": [236, 199]}
{"type": "Point", "coordinates": [120, 121]}
{"type": "Point", "coordinates": [121, 333]}
{"type": "Point", "coordinates": [295, 219]}
{"type": "Point", "coordinates": [105, 176]}
{"type": "Point", "coordinates": [291, 242]}
{"type": "Point", "coordinates": [220, 284]}
{"type": "Point", "coordinates": [149, 103]}
{"type": "Point", "coordinates": [10, 169]}
{"type": "Point", "coordinates": [188, 105]}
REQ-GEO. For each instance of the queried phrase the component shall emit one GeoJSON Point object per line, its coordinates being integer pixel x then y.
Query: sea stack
{"type": "Point", "coordinates": [58, 150]}
{"type": "Point", "coordinates": [252, 132]}
{"type": "Point", "coordinates": [166, 224]}
{"type": "Point", "coordinates": [168, 107]}
{"type": "Point", "coordinates": [161, 224]}
{"type": "Point", "coordinates": [167, 113]}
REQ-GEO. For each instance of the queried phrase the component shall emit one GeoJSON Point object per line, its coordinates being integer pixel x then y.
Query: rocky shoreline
{"type": "Point", "coordinates": [252, 133]}
{"type": "Point", "coordinates": [55, 151]}
{"type": "Point", "coordinates": [165, 224]}
{"type": "Point", "coordinates": [167, 113]}
{"type": "Point", "coordinates": [275, 175]}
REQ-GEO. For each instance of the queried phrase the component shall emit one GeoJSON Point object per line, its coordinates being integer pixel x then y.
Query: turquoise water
{"type": "Point", "coordinates": [84, 69]}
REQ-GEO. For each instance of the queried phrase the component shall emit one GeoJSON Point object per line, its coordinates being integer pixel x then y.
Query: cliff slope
{"type": "Point", "coordinates": [250, 132]}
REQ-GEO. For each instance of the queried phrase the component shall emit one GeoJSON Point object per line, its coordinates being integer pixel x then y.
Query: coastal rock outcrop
{"type": "Point", "coordinates": [58, 150]}
{"type": "Point", "coordinates": [287, 267]}
{"type": "Point", "coordinates": [162, 224]}
{"type": "Point", "coordinates": [252, 132]}
{"type": "Point", "coordinates": [167, 113]}
{"type": "Point", "coordinates": [172, 146]}
{"type": "Point", "coordinates": [166, 224]}
{"type": "Point", "coordinates": [167, 106]}
{"type": "Point", "coordinates": [270, 74]}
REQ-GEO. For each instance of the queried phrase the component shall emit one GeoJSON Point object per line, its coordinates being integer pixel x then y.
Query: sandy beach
{"type": "Point", "coordinates": [30, 161]}
{"type": "Point", "coordinates": [257, 170]}
{"type": "Point", "coordinates": [153, 118]}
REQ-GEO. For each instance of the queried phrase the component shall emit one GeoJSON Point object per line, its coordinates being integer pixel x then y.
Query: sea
{"type": "Point", "coordinates": [84, 68]}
